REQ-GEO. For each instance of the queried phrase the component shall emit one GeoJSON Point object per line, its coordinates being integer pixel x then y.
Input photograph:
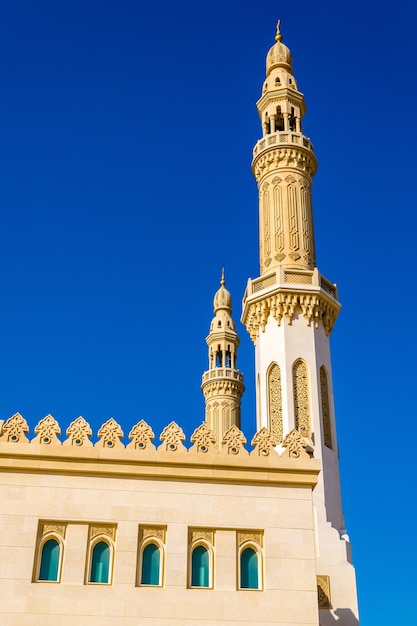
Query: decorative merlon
{"type": "Point", "coordinates": [203, 440]}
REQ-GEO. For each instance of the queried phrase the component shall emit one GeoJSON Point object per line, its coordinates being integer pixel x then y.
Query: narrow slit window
{"type": "Point", "coordinates": [100, 563]}
{"type": "Point", "coordinates": [249, 575]}
{"type": "Point", "coordinates": [49, 565]}
{"type": "Point", "coordinates": [151, 565]}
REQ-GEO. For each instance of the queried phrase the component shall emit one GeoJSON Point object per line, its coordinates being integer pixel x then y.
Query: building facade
{"type": "Point", "coordinates": [213, 531]}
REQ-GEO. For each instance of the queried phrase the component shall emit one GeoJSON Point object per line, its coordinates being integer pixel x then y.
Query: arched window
{"type": "Point", "coordinates": [301, 398]}
{"type": "Point", "coordinates": [50, 560]}
{"type": "Point", "coordinates": [275, 402]}
{"type": "Point", "coordinates": [249, 569]}
{"type": "Point", "coordinates": [325, 409]}
{"type": "Point", "coordinates": [151, 565]}
{"type": "Point", "coordinates": [100, 563]}
{"type": "Point", "coordinates": [200, 567]}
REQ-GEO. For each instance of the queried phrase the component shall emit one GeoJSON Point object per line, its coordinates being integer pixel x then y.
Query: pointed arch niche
{"type": "Point", "coordinates": [325, 408]}
{"type": "Point", "coordinates": [275, 402]}
{"type": "Point", "coordinates": [301, 398]}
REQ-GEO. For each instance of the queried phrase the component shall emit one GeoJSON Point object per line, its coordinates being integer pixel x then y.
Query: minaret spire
{"type": "Point", "coordinates": [222, 383]}
{"type": "Point", "coordinates": [278, 36]}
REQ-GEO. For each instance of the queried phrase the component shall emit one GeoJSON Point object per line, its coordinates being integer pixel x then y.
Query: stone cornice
{"type": "Point", "coordinates": [188, 465]}
{"type": "Point", "coordinates": [222, 386]}
{"type": "Point", "coordinates": [273, 158]}
{"type": "Point", "coordinates": [282, 302]}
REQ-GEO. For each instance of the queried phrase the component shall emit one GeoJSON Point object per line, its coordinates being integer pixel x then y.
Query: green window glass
{"type": "Point", "coordinates": [49, 566]}
{"type": "Point", "coordinates": [100, 561]}
{"type": "Point", "coordinates": [151, 562]}
{"type": "Point", "coordinates": [200, 567]}
{"type": "Point", "coordinates": [249, 569]}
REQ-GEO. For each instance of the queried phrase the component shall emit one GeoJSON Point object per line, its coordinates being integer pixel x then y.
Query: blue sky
{"type": "Point", "coordinates": [126, 132]}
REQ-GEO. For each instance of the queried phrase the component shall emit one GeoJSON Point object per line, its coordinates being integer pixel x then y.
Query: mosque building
{"type": "Point", "coordinates": [221, 530]}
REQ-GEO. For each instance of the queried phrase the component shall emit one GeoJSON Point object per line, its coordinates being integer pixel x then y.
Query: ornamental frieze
{"type": "Point", "coordinates": [284, 157]}
{"type": "Point", "coordinates": [315, 310]}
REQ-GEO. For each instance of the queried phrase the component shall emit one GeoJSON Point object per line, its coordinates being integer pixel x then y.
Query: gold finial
{"type": "Point", "coordinates": [278, 36]}
{"type": "Point", "coordinates": [222, 282]}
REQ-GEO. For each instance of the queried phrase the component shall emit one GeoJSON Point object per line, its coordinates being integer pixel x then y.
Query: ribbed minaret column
{"type": "Point", "coordinates": [290, 310]}
{"type": "Point", "coordinates": [222, 383]}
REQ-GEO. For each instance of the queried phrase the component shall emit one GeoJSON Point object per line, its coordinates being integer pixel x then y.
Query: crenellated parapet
{"type": "Point", "coordinates": [78, 454]}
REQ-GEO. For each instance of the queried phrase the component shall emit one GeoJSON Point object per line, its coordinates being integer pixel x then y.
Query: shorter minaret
{"type": "Point", "coordinates": [222, 383]}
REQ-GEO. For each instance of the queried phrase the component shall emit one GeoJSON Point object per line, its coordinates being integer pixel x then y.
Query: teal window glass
{"type": "Point", "coordinates": [249, 578]}
{"type": "Point", "coordinates": [49, 566]}
{"type": "Point", "coordinates": [100, 561]}
{"type": "Point", "coordinates": [151, 563]}
{"type": "Point", "coordinates": [200, 567]}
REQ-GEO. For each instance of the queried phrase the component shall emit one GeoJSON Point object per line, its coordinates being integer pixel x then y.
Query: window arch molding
{"type": "Point", "coordinates": [100, 561]}
{"type": "Point", "coordinates": [274, 399]}
{"type": "Point", "coordinates": [250, 570]}
{"type": "Point", "coordinates": [325, 407]}
{"type": "Point", "coordinates": [48, 566]}
{"type": "Point", "coordinates": [301, 396]}
{"type": "Point", "coordinates": [147, 578]}
{"type": "Point", "coordinates": [201, 566]}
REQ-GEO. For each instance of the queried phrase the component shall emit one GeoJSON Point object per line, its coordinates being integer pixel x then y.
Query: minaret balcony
{"type": "Point", "coordinates": [222, 372]}
{"type": "Point", "coordinates": [285, 138]}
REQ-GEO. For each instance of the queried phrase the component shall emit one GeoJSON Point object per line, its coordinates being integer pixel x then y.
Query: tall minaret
{"type": "Point", "coordinates": [290, 311]}
{"type": "Point", "coordinates": [222, 384]}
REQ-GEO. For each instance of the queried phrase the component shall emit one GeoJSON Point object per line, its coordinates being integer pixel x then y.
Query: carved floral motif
{"type": "Point", "coordinates": [264, 442]}
{"type": "Point", "coordinates": [172, 437]}
{"type": "Point", "coordinates": [203, 439]}
{"type": "Point", "coordinates": [323, 591]}
{"type": "Point", "coordinates": [234, 441]}
{"type": "Point", "coordinates": [295, 445]}
{"type": "Point", "coordinates": [141, 436]}
{"type": "Point", "coordinates": [14, 429]}
{"type": "Point", "coordinates": [110, 435]}
{"type": "Point", "coordinates": [78, 433]}
{"type": "Point", "coordinates": [103, 529]}
{"type": "Point", "coordinates": [47, 430]}
{"type": "Point", "coordinates": [254, 536]}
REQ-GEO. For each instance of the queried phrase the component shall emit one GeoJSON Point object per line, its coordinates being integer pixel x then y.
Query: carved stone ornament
{"type": "Point", "coordinates": [298, 157]}
{"type": "Point", "coordinates": [102, 529]}
{"type": "Point", "coordinates": [283, 305]}
{"type": "Point", "coordinates": [53, 527]}
{"type": "Point", "coordinates": [110, 434]}
{"type": "Point", "coordinates": [323, 592]}
{"type": "Point", "coordinates": [172, 437]}
{"type": "Point", "coordinates": [146, 532]}
{"type": "Point", "coordinates": [234, 441]}
{"type": "Point", "coordinates": [141, 437]}
{"type": "Point", "coordinates": [47, 430]}
{"type": "Point", "coordinates": [196, 534]}
{"type": "Point", "coordinates": [14, 429]}
{"type": "Point", "coordinates": [264, 443]}
{"type": "Point", "coordinates": [295, 445]}
{"type": "Point", "coordinates": [203, 439]}
{"type": "Point", "coordinates": [78, 433]}
{"type": "Point", "coordinates": [254, 536]}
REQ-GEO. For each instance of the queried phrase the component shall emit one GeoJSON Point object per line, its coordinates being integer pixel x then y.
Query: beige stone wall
{"type": "Point", "coordinates": [270, 498]}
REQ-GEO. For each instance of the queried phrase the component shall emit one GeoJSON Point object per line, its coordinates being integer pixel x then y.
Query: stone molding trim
{"type": "Point", "coordinates": [276, 158]}
{"type": "Point", "coordinates": [152, 531]}
{"type": "Point", "coordinates": [222, 387]}
{"type": "Point", "coordinates": [283, 304]}
{"type": "Point", "coordinates": [201, 534]}
{"type": "Point", "coordinates": [99, 530]}
{"type": "Point", "coordinates": [252, 536]}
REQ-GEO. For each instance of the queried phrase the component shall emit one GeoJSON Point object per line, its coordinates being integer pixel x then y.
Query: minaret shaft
{"type": "Point", "coordinates": [222, 383]}
{"type": "Point", "coordinates": [289, 312]}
